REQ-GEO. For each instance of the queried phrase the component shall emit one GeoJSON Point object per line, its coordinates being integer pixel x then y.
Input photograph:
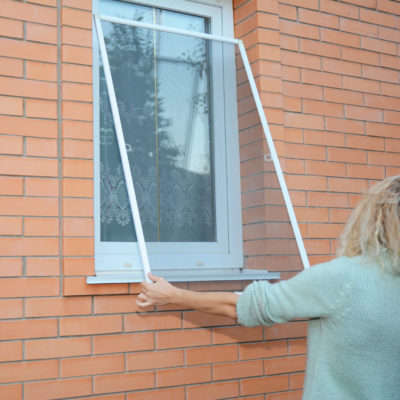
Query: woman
{"type": "Point", "coordinates": [352, 303]}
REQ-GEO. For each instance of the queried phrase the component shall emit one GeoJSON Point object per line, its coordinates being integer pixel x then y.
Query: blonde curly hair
{"type": "Point", "coordinates": [373, 229]}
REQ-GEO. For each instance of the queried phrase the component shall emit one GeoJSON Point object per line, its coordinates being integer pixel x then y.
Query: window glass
{"type": "Point", "coordinates": [162, 83]}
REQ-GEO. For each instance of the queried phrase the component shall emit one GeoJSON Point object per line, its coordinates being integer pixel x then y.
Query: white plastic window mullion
{"type": "Point", "coordinates": [123, 152]}
{"type": "Point", "coordinates": [274, 158]}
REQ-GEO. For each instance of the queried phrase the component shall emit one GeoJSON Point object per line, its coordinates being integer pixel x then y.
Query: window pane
{"type": "Point", "coordinates": [163, 88]}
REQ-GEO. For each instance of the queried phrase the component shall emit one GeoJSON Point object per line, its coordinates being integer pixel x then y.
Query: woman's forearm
{"type": "Point", "coordinates": [161, 292]}
{"type": "Point", "coordinates": [219, 303]}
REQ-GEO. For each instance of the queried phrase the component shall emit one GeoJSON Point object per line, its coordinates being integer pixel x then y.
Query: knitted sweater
{"type": "Point", "coordinates": [354, 328]}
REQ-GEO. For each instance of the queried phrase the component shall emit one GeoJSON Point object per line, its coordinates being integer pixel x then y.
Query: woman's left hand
{"type": "Point", "coordinates": [158, 293]}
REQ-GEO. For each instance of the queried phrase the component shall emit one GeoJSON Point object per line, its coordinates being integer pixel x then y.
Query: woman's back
{"type": "Point", "coordinates": [353, 337]}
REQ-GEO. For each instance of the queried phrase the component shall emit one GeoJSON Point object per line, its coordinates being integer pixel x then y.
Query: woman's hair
{"type": "Point", "coordinates": [373, 228]}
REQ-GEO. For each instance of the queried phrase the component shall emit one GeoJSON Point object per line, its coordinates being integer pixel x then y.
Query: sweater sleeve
{"type": "Point", "coordinates": [314, 293]}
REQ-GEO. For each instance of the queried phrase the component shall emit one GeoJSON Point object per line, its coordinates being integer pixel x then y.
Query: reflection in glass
{"type": "Point", "coordinates": [162, 83]}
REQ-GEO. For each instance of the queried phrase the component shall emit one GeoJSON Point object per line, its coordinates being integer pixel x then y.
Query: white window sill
{"type": "Point", "coordinates": [200, 275]}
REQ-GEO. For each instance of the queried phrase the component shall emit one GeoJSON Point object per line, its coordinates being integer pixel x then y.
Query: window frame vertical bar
{"type": "Point", "coordinates": [274, 157]}
{"type": "Point", "coordinates": [122, 150]}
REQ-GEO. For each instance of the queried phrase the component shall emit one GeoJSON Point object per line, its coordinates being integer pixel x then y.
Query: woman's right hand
{"type": "Point", "coordinates": [158, 293]}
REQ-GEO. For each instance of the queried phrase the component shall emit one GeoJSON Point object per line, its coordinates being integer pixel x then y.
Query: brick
{"type": "Point", "coordinates": [320, 49]}
{"type": "Point", "coordinates": [77, 130]}
{"type": "Point", "coordinates": [29, 12]}
{"type": "Point", "coordinates": [29, 287]}
{"type": "Point", "coordinates": [11, 28]}
{"type": "Point", "coordinates": [41, 226]}
{"type": "Point", "coordinates": [262, 350]}
{"type": "Point", "coordinates": [78, 266]}
{"type": "Point", "coordinates": [300, 60]}
{"type": "Point", "coordinates": [314, 214]}
{"type": "Point", "coordinates": [78, 246]}
{"type": "Point", "coordinates": [11, 105]}
{"type": "Point", "coordinates": [41, 109]}
{"type": "Point", "coordinates": [313, 4]}
{"type": "Point", "coordinates": [198, 319]}
{"type": "Point", "coordinates": [28, 126]}
{"type": "Point", "coordinates": [242, 369]}
{"type": "Point", "coordinates": [378, 18]}
{"type": "Point", "coordinates": [41, 71]}
{"type": "Point", "coordinates": [322, 108]}
{"type": "Point", "coordinates": [10, 308]}
{"type": "Point", "coordinates": [284, 365]}
{"type": "Point", "coordinates": [377, 45]}
{"type": "Point", "coordinates": [57, 348]}
{"type": "Point", "coordinates": [41, 187]}
{"type": "Point", "coordinates": [297, 182]}
{"type": "Point", "coordinates": [344, 125]}
{"type": "Point", "coordinates": [77, 92]}
{"type": "Point", "coordinates": [57, 306]}
{"type": "Point", "coordinates": [360, 56]}
{"type": "Point", "coordinates": [11, 186]}
{"type": "Point", "coordinates": [365, 171]}
{"type": "Point", "coordinates": [77, 207]}
{"type": "Point", "coordinates": [28, 206]}
{"type": "Point", "coordinates": [77, 148]}
{"type": "Point", "coordinates": [183, 376]}
{"type": "Point", "coordinates": [92, 365]}
{"type": "Point", "coordinates": [383, 158]}
{"type": "Point", "coordinates": [216, 354]}
{"type": "Point", "coordinates": [10, 351]}
{"type": "Point", "coordinates": [322, 78]}
{"type": "Point", "coordinates": [341, 38]}
{"type": "Point", "coordinates": [298, 120]}
{"type": "Point", "coordinates": [35, 370]}
{"type": "Point", "coordinates": [287, 12]}
{"type": "Point", "coordinates": [76, 18]}
{"type": "Point", "coordinates": [82, 5]}
{"type": "Point", "coordinates": [77, 111]}
{"type": "Point", "coordinates": [29, 247]}
{"type": "Point", "coordinates": [384, 74]}
{"type": "Point", "coordinates": [58, 389]}
{"type": "Point", "coordinates": [323, 138]}
{"type": "Point", "coordinates": [11, 67]}
{"type": "Point", "coordinates": [90, 325]}
{"type": "Point", "coordinates": [390, 61]}
{"type": "Point", "coordinates": [299, 29]}
{"type": "Point", "coordinates": [267, 384]}
{"type": "Point", "coordinates": [291, 395]}
{"type": "Point", "coordinates": [318, 18]}
{"type": "Point", "coordinates": [165, 394]}
{"type": "Point", "coordinates": [11, 392]}
{"type": "Point", "coordinates": [324, 231]}
{"type": "Point", "coordinates": [153, 321]}
{"type": "Point", "coordinates": [77, 168]}
{"type": "Point", "coordinates": [154, 360]}
{"type": "Point", "coordinates": [303, 91]}
{"type": "Point", "coordinates": [347, 185]}
{"type": "Point", "coordinates": [213, 391]}
{"type": "Point", "coordinates": [41, 147]}
{"type": "Point", "coordinates": [343, 96]}
{"type": "Point", "coordinates": [78, 227]}
{"type": "Point", "coordinates": [318, 199]}
{"type": "Point", "coordinates": [41, 33]}
{"type": "Point", "coordinates": [344, 10]}
{"type": "Point", "coordinates": [123, 382]}
{"type": "Point", "coordinates": [290, 73]}
{"type": "Point", "coordinates": [115, 304]}
{"type": "Point", "coordinates": [288, 42]}
{"type": "Point", "coordinates": [76, 36]}
{"type": "Point", "coordinates": [296, 381]}
{"type": "Point", "coordinates": [358, 28]}
{"type": "Point", "coordinates": [341, 67]}
{"type": "Point", "coordinates": [382, 130]}
{"type": "Point", "coordinates": [28, 50]}
{"type": "Point", "coordinates": [51, 3]}
{"type": "Point", "coordinates": [391, 117]}
{"type": "Point", "coordinates": [388, 34]}
{"type": "Point", "coordinates": [123, 343]}
{"type": "Point", "coordinates": [10, 226]}
{"type": "Point", "coordinates": [28, 88]}
{"type": "Point", "coordinates": [42, 266]}
{"type": "Point", "coordinates": [76, 73]}
{"type": "Point", "coordinates": [28, 166]}
{"type": "Point", "coordinates": [10, 266]}
{"type": "Point", "coordinates": [347, 155]}
{"type": "Point", "coordinates": [77, 187]}
{"type": "Point", "coordinates": [236, 334]}
{"type": "Point", "coordinates": [390, 145]}
{"type": "Point", "coordinates": [28, 329]}
{"type": "Point", "coordinates": [76, 55]}
{"type": "Point", "coordinates": [176, 339]}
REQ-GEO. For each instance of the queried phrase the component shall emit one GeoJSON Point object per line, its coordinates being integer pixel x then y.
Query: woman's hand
{"type": "Point", "coordinates": [158, 293]}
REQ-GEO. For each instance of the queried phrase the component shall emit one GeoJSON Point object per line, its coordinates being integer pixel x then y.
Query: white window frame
{"type": "Point", "coordinates": [231, 264]}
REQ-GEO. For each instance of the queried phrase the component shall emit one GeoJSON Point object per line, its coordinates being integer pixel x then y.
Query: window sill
{"type": "Point", "coordinates": [201, 275]}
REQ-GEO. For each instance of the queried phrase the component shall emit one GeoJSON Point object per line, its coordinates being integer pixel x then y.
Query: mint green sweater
{"type": "Point", "coordinates": [354, 330]}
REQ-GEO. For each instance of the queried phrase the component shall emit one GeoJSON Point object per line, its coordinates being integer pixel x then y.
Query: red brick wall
{"type": "Point", "coordinates": [328, 74]}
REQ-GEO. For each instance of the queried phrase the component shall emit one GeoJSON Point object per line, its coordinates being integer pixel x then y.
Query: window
{"type": "Point", "coordinates": [176, 99]}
